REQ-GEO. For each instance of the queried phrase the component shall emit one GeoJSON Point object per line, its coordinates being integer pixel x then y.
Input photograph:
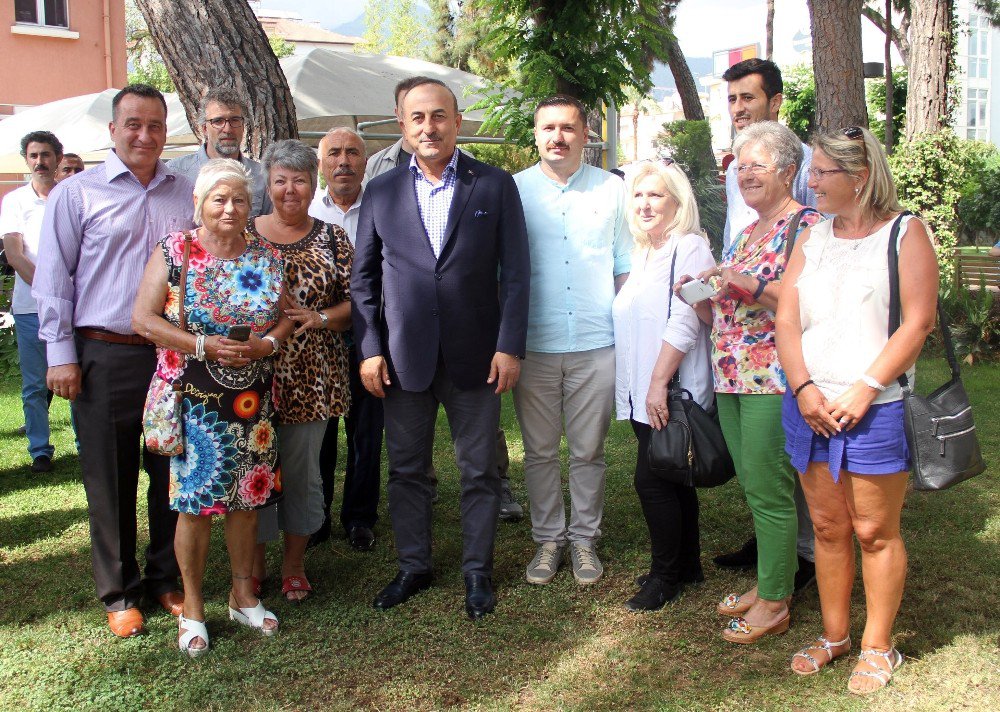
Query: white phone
{"type": "Point", "coordinates": [696, 291]}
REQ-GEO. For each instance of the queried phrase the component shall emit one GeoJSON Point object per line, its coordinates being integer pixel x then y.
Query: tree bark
{"type": "Point", "coordinates": [686, 87]}
{"type": "Point", "coordinates": [837, 64]}
{"type": "Point", "coordinates": [888, 83]}
{"type": "Point", "coordinates": [769, 31]}
{"type": "Point", "coordinates": [208, 43]}
{"type": "Point", "coordinates": [899, 36]}
{"type": "Point", "coordinates": [930, 54]}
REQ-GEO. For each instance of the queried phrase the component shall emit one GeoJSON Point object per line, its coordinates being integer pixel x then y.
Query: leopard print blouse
{"type": "Point", "coordinates": [311, 370]}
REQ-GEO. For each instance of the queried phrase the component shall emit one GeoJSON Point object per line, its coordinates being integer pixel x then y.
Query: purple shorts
{"type": "Point", "coordinates": [875, 446]}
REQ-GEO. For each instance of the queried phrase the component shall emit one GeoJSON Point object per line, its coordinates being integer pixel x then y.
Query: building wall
{"type": "Point", "coordinates": [977, 114]}
{"type": "Point", "coordinates": [87, 57]}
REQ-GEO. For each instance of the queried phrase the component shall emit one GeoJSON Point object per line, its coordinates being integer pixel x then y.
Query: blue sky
{"type": "Point", "coordinates": [742, 22]}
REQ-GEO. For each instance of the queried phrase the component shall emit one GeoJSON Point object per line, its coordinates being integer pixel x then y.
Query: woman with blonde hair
{"type": "Point", "coordinates": [658, 336]}
{"type": "Point", "coordinates": [843, 413]}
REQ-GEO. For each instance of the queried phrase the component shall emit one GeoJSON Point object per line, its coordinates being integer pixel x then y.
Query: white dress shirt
{"type": "Point", "coordinates": [323, 208]}
{"type": "Point", "coordinates": [21, 212]}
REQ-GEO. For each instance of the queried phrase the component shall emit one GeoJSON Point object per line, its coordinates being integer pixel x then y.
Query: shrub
{"type": "Point", "coordinates": [978, 209]}
{"type": "Point", "coordinates": [930, 173]}
{"type": "Point", "coordinates": [875, 98]}
{"type": "Point", "coordinates": [509, 157]}
{"type": "Point", "coordinates": [689, 143]}
{"type": "Point", "coordinates": [798, 107]}
{"type": "Point", "coordinates": [974, 318]}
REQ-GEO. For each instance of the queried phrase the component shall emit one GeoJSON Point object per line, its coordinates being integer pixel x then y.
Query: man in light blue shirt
{"type": "Point", "coordinates": [580, 255]}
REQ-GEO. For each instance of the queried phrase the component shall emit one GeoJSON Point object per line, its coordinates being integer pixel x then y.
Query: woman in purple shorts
{"type": "Point", "coordinates": [843, 414]}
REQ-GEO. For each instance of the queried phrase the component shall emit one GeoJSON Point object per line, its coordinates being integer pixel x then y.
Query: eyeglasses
{"type": "Point", "coordinates": [754, 168]}
{"type": "Point", "coordinates": [820, 174]}
{"type": "Point", "coordinates": [236, 122]}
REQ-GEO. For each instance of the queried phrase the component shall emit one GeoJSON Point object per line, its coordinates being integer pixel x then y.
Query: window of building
{"type": "Point", "coordinates": [979, 49]}
{"type": "Point", "coordinates": [975, 114]}
{"type": "Point", "coordinates": [52, 13]}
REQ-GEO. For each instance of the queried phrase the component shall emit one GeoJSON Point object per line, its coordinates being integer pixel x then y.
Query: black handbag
{"type": "Point", "coordinates": [690, 449]}
{"type": "Point", "coordinates": [940, 432]}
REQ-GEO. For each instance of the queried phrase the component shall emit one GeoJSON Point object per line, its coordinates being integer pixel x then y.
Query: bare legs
{"type": "Point", "coordinates": [867, 507]}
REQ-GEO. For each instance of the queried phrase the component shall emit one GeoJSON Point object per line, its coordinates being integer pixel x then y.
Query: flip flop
{"type": "Point", "coordinates": [295, 583]}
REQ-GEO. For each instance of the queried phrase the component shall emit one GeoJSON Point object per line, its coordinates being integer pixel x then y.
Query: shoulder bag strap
{"type": "Point", "coordinates": [182, 306]}
{"type": "Point", "coordinates": [792, 233]}
{"type": "Point", "coordinates": [675, 380]}
{"type": "Point", "coordinates": [895, 310]}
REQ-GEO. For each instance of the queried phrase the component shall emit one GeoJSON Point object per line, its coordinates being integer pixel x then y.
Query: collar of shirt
{"type": "Point", "coordinates": [328, 201]}
{"type": "Point", "coordinates": [446, 176]}
{"type": "Point", "coordinates": [115, 167]}
{"type": "Point", "coordinates": [562, 186]}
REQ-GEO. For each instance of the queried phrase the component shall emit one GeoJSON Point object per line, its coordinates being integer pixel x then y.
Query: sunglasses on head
{"type": "Point", "coordinates": [853, 132]}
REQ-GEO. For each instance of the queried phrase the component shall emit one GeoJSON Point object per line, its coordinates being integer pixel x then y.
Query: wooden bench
{"type": "Point", "coordinates": [975, 270]}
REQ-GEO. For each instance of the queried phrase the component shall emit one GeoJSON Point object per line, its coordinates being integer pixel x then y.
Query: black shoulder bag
{"type": "Point", "coordinates": [689, 450]}
{"type": "Point", "coordinates": [939, 429]}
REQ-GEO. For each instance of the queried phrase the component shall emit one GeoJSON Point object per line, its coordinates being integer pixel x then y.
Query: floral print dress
{"type": "Point", "coordinates": [230, 461]}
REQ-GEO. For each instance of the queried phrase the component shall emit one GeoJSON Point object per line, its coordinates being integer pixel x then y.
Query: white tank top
{"type": "Point", "coordinates": [844, 307]}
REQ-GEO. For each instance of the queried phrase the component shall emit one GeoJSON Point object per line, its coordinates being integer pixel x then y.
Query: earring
{"type": "Point", "coordinates": [857, 191]}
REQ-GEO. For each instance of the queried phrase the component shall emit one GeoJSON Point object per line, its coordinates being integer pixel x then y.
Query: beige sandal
{"type": "Point", "coordinates": [893, 659]}
{"type": "Point", "coordinates": [734, 605]}
{"type": "Point", "coordinates": [827, 647]}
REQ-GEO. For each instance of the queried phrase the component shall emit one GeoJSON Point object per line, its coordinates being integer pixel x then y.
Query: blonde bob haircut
{"type": "Point", "coordinates": [219, 170]}
{"type": "Point", "coordinates": [877, 195]}
{"type": "Point", "coordinates": [679, 188]}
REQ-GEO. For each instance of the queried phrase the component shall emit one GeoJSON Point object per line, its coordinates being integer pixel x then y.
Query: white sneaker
{"type": "Point", "coordinates": [544, 566]}
{"type": "Point", "coordinates": [587, 568]}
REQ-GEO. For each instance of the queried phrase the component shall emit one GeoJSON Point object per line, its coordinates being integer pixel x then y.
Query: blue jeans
{"type": "Point", "coordinates": [34, 393]}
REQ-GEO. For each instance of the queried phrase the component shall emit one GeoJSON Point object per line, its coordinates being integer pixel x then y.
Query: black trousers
{"type": "Point", "coordinates": [671, 513]}
{"type": "Point", "coordinates": [108, 416]}
{"type": "Point", "coordinates": [362, 479]}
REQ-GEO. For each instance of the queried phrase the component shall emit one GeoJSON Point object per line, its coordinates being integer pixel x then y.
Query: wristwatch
{"type": "Point", "coordinates": [872, 383]}
{"type": "Point", "coordinates": [324, 320]}
{"type": "Point", "coordinates": [274, 342]}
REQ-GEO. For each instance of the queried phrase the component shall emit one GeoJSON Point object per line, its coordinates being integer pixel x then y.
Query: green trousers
{"type": "Point", "coordinates": [756, 441]}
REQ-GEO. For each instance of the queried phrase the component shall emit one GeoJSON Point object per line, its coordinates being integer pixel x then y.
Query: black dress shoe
{"type": "Point", "coordinates": [479, 596]}
{"type": "Point", "coordinates": [320, 535]}
{"type": "Point", "coordinates": [745, 558]}
{"type": "Point", "coordinates": [361, 538]}
{"type": "Point", "coordinates": [806, 574]}
{"type": "Point", "coordinates": [402, 588]}
{"type": "Point", "coordinates": [654, 594]}
{"type": "Point", "coordinates": [42, 463]}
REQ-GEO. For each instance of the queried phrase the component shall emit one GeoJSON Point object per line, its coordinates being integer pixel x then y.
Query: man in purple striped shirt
{"type": "Point", "coordinates": [100, 227]}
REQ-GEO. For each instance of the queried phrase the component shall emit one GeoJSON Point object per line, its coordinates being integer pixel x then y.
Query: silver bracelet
{"type": "Point", "coordinates": [274, 343]}
{"type": "Point", "coordinates": [324, 319]}
{"type": "Point", "coordinates": [872, 383]}
{"type": "Point", "coordinates": [199, 347]}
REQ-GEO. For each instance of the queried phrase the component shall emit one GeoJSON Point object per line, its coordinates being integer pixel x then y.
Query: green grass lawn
{"type": "Point", "coordinates": [552, 647]}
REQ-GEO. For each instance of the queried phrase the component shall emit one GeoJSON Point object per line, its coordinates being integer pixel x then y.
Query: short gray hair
{"type": "Point", "coordinates": [292, 155]}
{"type": "Point", "coordinates": [227, 96]}
{"type": "Point", "coordinates": [779, 141]}
{"type": "Point", "coordinates": [219, 170]}
{"type": "Point", "coordinates": [344, 129]}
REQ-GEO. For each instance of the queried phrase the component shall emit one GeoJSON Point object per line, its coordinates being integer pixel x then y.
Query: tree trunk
{"type": "Point", "coordinates": [208, 43]}
{"type": "Point", "coordinates": [635, 132]}
{"type": "Point", "coordinates": [684, 80]}
{"type": "Point", "coordinates": [930, 54]}
{"type": "Point", "coordinates": [888, 83]}
{"type": "Point", "coordinates": [900, 35]}
{"type": "Point", "coordinates": [769, 31]}
{"type": "Point", "coordinates": [837, 63]}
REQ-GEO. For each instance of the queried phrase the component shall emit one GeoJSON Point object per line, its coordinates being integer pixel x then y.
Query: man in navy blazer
{"type": "Point", "coordinates": [439, 294]}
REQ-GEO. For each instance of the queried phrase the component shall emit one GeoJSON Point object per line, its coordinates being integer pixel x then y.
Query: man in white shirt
{"type": "Point", "coordinates": [342, 163]}
{"type": "Point", "coordinates": [754, 91]}
{"type": "Point", "coordinates": [20, 226]}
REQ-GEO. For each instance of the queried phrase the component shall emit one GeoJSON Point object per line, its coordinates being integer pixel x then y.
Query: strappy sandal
{"type": "Point", "coordinates": [190, 629]}
{"type": "Point", "coordinates": [733, 605]}
{"type": "Point", "coordinates": [254, 618]}
{"type": "Point", "coordinates": [893, 659]}
{"type": "Point", "coordinates": [825, 646]}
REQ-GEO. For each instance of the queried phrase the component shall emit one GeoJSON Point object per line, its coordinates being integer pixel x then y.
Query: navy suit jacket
{"type": "Point", "coordinates": [467, 304]}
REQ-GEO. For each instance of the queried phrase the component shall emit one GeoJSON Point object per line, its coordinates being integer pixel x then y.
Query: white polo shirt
{"type": "Point", "coordinates": [323, 208]}
{"type": "Point", "coordinates": [21, 211]}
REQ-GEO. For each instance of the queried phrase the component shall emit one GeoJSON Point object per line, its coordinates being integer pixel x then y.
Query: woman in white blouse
{"type": "Point", "coordinates": [650, 348]}
{"type": "Point", "coordinates": [842, 414]}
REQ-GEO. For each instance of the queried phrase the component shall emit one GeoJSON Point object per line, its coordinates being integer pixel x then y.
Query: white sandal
{"type": "Point", "coordinates": [893, 659]}
{"type": "Point", "coordinates": [254, 617]}
{"type": "Point", "coordinates": [190, 629]}
{"type": "Point", "coordinates": [827, 647]}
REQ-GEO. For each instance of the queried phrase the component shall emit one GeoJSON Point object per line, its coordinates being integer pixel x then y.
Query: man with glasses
{"type": "Point", "coordinates": [754, 91]}
{"type": "Point", "coordinates": [222, 117]}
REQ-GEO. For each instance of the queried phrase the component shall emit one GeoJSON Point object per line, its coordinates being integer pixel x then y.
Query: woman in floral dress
{"type": "Point", "coordinates": [229, 464]}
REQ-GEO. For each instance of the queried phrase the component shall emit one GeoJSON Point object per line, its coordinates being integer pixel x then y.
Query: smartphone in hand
{"type": "Point", "coordinates": [240, 332]}
{"type": "Point", "coordinates": [695, 291]}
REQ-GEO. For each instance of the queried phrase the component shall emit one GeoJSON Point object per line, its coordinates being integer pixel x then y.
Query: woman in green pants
{"type": "Point", "coordinates": [749, 382]}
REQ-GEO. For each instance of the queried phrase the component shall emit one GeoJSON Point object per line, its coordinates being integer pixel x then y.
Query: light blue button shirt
{"type": "Point", "coordinates": [579, 242]}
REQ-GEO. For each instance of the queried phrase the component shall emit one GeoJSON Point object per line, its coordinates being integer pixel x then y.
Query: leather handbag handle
{"type": "Point", "coordinates": [184, 274]}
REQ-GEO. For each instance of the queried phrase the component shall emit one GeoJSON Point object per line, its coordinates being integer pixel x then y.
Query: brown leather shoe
{"type": "Point", "coordinates": [126, 623]}
{"type": "Point", "coordinates": [172, 602]}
